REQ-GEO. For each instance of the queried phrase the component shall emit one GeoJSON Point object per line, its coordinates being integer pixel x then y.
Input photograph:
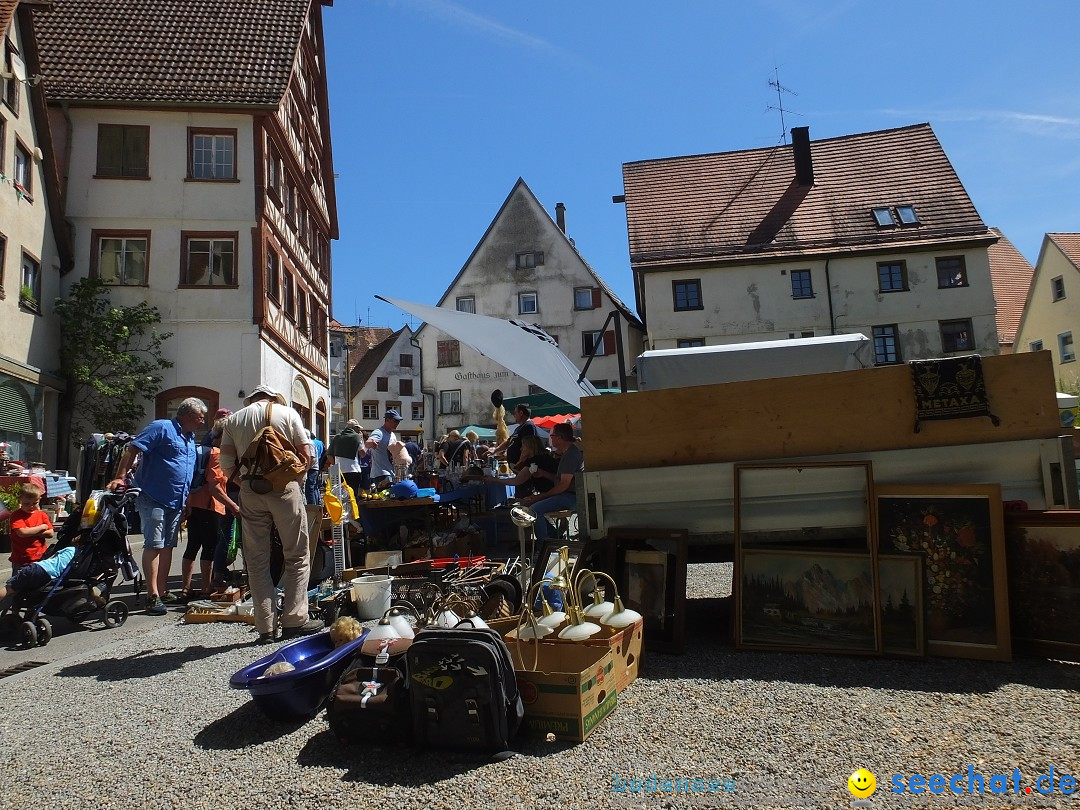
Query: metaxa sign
{"type": "Point", "coordinates": [462, 376]}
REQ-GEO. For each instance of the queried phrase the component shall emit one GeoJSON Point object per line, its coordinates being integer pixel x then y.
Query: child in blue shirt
{"type": "Point", "coordinates": [35, 575]}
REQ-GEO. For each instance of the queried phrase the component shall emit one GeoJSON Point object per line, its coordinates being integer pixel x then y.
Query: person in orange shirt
{"type": "Point", "coordinates": [30, 529]}
{"type": "Point", "coordinates": [206, 507]}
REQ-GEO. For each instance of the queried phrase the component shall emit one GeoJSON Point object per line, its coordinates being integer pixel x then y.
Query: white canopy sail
{"type": "Point", "coordinates": [523, 348]}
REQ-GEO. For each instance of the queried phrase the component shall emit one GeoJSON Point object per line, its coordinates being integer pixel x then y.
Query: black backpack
{"type": "Point", "coordinates": [370, 703]}
{"type": "Point", "coordinates": [202, 461]}
{"type": "Point", "coordinates": [462, 690]}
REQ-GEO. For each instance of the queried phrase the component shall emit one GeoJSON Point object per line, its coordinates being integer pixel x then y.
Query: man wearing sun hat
{"type": "Point", "coordinates": [379, 440]}
{"type": "Point", "coordinates": [260, 512]}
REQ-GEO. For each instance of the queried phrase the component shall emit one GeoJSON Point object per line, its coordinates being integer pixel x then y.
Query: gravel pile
{"type": "Point", "coordinates": [151, 723]}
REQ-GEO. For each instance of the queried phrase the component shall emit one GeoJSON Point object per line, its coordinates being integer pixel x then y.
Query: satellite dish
{"type": "Point", "coordinates": [497, 397]}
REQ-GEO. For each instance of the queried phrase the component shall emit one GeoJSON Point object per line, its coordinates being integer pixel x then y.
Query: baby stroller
{"type": "Point", "coordinates": [84, 587]}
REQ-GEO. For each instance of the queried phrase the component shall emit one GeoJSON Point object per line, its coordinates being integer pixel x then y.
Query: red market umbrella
{"type": "Point", "coordinates": [548, 422]}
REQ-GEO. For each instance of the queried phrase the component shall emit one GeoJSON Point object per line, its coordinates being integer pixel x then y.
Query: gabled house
{"type": "Point", "coordinates": [388, 376]}
{"type": "Point", "coordinates": [198, 176]}
{"type": "Point", "coordinates": [1011, 275]}
{"type": "Point", "coordinates": [348, 346]}
{"type": "Point", "coordinates": [1051, 315]}
{"type": "Point", "coordinates": [524, 267]}
{"type": "Point", "coordinates": [34, 249]}
{"type": "Point", "coordinates": [870, 233]}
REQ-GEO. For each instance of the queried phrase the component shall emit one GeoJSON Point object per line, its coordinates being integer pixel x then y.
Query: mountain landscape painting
{"type": "Point", "coordinates": [807, 600]}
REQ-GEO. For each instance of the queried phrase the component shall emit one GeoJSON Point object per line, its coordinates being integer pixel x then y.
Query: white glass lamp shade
{"type": "Point", "coordinates": [474, 620]}
{"type": "Point", "coordinates": [447, 618]}
{"type": "Point", "coordinates": [621, 616]}
{"type": "Point", "coordinates": [533, 631]}
{"type": "Point", "coordinates": [553, 619]}
{"type": "Point", "coordinates": [579, 631]}
{"type": "Point", "coordinates": [384, 629]}
{"type": "Point", "coordinates": [599, 607]}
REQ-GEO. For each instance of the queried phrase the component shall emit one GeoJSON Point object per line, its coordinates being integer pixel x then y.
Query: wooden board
{"type": "Point", "coordinates": [816, 414]}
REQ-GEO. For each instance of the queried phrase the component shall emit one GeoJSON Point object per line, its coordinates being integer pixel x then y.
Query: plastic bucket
{"type": "Point", "coordinates": [371, 593]}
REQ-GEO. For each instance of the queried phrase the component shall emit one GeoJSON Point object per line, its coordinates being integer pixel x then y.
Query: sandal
{"type": "Point", "coordinates": [184, 597]}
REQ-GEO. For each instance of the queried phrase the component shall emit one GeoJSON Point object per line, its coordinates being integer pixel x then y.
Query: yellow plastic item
{"type": "Point", "coordinates": [332, 503]}
{"type": "Point", "coordinates": [91, 510]}
{"type": "Point", "coordinates": [352, 499]}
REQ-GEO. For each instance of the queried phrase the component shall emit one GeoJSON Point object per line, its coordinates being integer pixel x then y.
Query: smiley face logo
{"type": "Point", "coordinates": [862, 784]}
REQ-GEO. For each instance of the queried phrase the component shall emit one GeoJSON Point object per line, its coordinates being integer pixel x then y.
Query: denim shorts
{"type": "Point", "coordinates": [160, 525]}
{"type": "Point", "coordinates": [29, 578]}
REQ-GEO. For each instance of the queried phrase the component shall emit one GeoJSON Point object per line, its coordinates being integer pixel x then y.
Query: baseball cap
{"type": "Point", "coordinates": [273, 393]}
{"type": "Point", "coordinates": [353, 424]}
{"type": "Point", "coordinates": [391, 413]}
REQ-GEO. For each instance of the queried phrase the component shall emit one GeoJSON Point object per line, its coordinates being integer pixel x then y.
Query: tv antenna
{"type": "Point", "coordinates": [780, 90]}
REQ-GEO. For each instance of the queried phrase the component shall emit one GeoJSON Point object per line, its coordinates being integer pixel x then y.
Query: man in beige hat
{"type": "Point", "coordinates": [259, 512]}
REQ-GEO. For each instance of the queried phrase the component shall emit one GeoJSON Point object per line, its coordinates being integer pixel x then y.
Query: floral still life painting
{"type": "Point", "coordinates": [957, 530]}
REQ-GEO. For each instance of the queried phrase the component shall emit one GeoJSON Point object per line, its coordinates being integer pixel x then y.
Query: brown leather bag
{"type": "Point", "coordinates": [271, 460]}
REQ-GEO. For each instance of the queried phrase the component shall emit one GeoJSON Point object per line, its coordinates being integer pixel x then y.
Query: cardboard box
{"type": "Point", "coordinates": [625, 646]}
{"type": "Point", "coordinates": [571, 689]}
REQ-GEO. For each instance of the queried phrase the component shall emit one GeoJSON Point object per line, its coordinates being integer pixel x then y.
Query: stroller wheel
{"type": "Point", "coordinates": [44, 631]}
{"type": "Point", "coordinates": [116, 613]}
{"type": "Point", "coordinates": [28, 635]}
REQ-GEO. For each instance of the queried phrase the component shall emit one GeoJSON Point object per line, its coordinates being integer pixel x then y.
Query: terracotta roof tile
{"type": "Point", "coordinates": [1010, 274]}
{"type": "Point", "coordinates": [169, 51]}
{"type": "Point", "coordinates": [1069, 244]}
{"type": "Point", "coordinates": [731, 205]}
{"type": "Point", "coordinates": [370, 356]}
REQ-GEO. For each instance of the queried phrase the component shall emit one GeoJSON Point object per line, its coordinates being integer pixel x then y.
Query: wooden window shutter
{"type": "Point", "coordinates": [596, 297]}
{"type": "Point", "coordinates": [609, 341]}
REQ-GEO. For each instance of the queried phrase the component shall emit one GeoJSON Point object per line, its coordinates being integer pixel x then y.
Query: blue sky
{"type": "Point", "coordinates": [438, 106]}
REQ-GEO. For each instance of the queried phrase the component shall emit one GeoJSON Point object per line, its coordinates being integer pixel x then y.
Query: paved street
{"type": "Point", "coordinates": [71, 639]}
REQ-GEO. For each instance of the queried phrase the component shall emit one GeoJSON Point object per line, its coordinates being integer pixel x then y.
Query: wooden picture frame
{"type": "Point", "coordinates": [807, 601]}
{"type": "Point", "coordinates": [900, 604]}
{"type": "Point", "coordinates": [1043, 554]}
{"type": "Point", "coordinates": [649, 567]}
{"type": "Point", "coordinates": [958, 529]}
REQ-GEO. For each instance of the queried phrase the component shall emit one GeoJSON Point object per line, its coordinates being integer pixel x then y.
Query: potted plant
{"type": "Point", "coordinates": [9, 497]}
{"type": "Point", "coordinates": [26, 295]}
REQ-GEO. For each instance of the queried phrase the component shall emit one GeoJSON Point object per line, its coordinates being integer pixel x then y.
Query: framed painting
{"type": "Point", "coordinates": [649, 567]}
{"type": "Point", "coordinates": [958, 531]}
{"type": "Point", "coordinates": [900, 604]}
{"type": "Point", "coordinates": [805, 505]}
{"type": "Point", "coordinates": [806, 601]}
{"type": "Point", "coordinates": [1043, 553]}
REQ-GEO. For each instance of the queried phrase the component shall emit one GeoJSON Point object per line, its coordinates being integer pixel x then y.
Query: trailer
{"type": "Point", "coordinates": [667, 458]}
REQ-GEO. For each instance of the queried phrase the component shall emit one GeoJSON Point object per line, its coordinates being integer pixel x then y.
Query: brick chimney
{"type": "Point", "coordinates": [560, 216]}
{"type": "Point", "coordinates": [800, 148]}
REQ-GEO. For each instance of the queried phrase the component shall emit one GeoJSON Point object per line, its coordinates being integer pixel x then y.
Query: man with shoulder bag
{"type": "Point", "coordinates": [273, 459]}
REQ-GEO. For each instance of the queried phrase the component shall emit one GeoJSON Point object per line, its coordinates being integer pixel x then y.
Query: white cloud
{"type": "Point", "coordinates": [1051, 126]}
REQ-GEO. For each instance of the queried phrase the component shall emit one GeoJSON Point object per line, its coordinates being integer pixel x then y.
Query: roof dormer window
{"type": "Point", "coordinates": [907, 215]}
{"type": "Point", "coordinates": [884, 218]}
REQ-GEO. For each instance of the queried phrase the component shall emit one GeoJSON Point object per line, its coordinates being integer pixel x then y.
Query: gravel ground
{"type": "Point", "coordinates": [151, 723]}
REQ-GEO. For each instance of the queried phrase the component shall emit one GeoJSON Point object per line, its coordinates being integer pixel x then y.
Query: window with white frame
{"type": "Point", "coordinates": [369, 409]}
{"type": "Point", "coordinates": [11, 85]}
{"type": "Point", "coordinates": [450, 401]}
{"type": "Point", "coordinates": [23, 173]}
{"type": "Point", "coordinates": [1057, 288]}
{"type": "Point", "coordinates": [213, 155]}
{"type": "Point", "coordinates": [957, 336]}
{"type": "Point", "coordinates": [591, 339]}
{"type": "Point", "coordinates": [466, 303]}
{"type": "Point", "coordinates": [1065, 346]}
{"type": "Point", "coordinates": [208, 260]}
{"type": "Point", "coordinates": [586, 297]}
{"type": "Point", "coordinates": [528, 303]}
{"type": "Point", "coordinates": [122, 259]}
{"type": "Point", "coordinates": [418, 410]}
{"type": "Point", "coordinates": [30, 289]}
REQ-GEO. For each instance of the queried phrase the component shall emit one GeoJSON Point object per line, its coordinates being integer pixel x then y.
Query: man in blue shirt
{"type": "Point", "coordinates": [166, 453]}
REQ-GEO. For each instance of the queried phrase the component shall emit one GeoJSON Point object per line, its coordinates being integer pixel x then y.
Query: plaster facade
{"type": "Point", "coordinates": [842, 295]}
{"type": "Point", "coordinates": [30, 262]}
{"type": "Point", "coordinates": [523, 268]}
{"type": "Point", "coordinates": [1051, 315]}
